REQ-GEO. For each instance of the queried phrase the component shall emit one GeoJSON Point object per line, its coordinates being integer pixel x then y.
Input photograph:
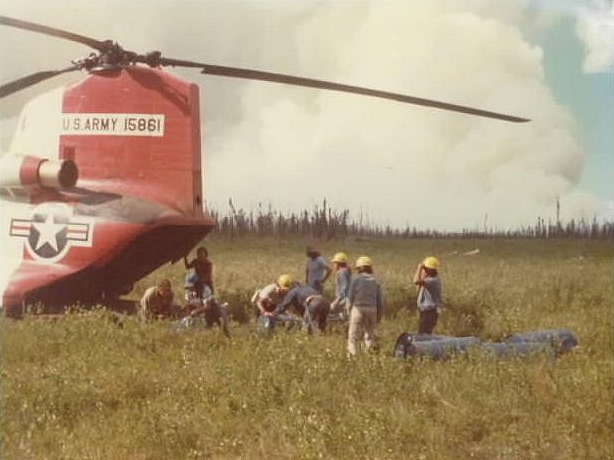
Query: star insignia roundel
{"type": "Point", "coordinates": [52, 230]}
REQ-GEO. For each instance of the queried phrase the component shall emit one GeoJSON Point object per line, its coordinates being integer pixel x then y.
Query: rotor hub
{"type": "Point", "coordinates": [112, 56]}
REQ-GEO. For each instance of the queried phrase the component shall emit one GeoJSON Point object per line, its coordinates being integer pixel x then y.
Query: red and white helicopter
{"type": "Point", "coordinates": [102, 183]}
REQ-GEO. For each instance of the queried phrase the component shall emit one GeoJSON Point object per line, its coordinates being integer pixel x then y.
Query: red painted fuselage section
{"type": "Point", "coordinates": [134, 135]}
{"type": "Point", "coordinates": [141, 138]}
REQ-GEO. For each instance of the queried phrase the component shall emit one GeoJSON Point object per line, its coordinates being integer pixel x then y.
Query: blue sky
{"type": "Point", "coordinates": [590, 96]}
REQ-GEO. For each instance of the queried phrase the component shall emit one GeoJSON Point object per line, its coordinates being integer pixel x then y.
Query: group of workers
{"type": "Point", "coordinates": [358, 297]}
{"type": "Point", "coordinates": [199, 301]}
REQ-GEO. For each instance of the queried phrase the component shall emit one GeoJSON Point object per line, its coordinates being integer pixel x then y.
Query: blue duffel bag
{"type": "Point", "coordinates": [562, 340]}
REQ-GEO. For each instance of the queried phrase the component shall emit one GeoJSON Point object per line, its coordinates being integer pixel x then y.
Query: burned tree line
{"type": "Point", "coordinates": [324, 222]}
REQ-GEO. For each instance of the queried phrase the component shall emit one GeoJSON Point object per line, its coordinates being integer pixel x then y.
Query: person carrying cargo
{"type": "Point", "coordinates": [343, 277]}
{"type": "Point", "coordinates": [366, 305]}
{"type": "Point", "coordinates": [316, 307]}
{"type": "Point", "coordinates": [317, 270]}
{"type": "Point", "coordinates": [429, 294]}
{"type": "Point", "coordinates": [269, 297]}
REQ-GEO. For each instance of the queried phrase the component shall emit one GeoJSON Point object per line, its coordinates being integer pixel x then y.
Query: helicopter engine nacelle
{"type": "Point", "coordinates": [29, 173]}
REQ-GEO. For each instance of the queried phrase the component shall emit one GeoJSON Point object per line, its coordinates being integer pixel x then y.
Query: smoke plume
{"type": "Point", "coordinates": [398, 164]}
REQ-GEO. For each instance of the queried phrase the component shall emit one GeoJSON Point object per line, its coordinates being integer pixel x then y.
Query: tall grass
{"type": "Point", "coordinates": [108, 387]}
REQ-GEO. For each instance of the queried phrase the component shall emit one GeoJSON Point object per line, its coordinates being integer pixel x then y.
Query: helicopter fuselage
{"type": "Point", "coordinates": [132, 136]}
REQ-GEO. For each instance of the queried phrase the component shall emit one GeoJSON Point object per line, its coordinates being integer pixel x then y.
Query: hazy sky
{"type": "Point", "coordinates": [551, 61]}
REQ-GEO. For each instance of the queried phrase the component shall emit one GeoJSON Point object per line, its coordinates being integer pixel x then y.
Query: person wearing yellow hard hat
{"type": "Point", "coordinates": [366, 305]}
{"type": "Point", "coordinates": [343, 277]}
{"type": "Point", "coordinates": [315, 307]}
{"type": "Point", "coordinates": [429, 300]}
{"type": "Point", "coordinates": [269, 297]}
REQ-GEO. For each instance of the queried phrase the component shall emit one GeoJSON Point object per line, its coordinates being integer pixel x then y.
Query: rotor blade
{"type": "Point", "coordinates": [33, 27]}
{"type": "Point", "coordinates": [321, 84]}
{"type": "Point", "coordinates": [164, 61]}
{"type": "Point", "coordinates": [32, 79]}
{"type": "Point", "coordinates": [308, 82]}
{"type": "Point", "coordinates": [155, 59]}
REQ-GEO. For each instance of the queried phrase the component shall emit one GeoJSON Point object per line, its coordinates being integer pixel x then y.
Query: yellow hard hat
{"type": "Point", "coordinates": [340, 257]}
{"type": "Point", "coordinates": [364, 261]}
{"type": "Point", "coordinates": [431, 262]}
{"type": "Point", "coordinates": [284, 281]}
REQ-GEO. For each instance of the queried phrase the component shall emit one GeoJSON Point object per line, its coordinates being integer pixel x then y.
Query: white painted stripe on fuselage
{"type": "Point", "coordinates": [113, 124]}
{"type": "Point", "coordinates": [37, 134]}
{"type": "Point", "coordinates": [12, 244]}
{"type": "Point", "coordinates": [39, 126]}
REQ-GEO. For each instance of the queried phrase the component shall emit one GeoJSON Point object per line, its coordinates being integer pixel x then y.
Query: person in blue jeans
{"type": "Point", "coordinates": [343, 278]}
{"type": "Point", "coordinates": [316, 307]}
{"type": "Point", "coordinates": [317, 270]}
{"type": "Point", "coordinates": [429, 294]}
{"type": "Point", "coordinates": [203, 271]}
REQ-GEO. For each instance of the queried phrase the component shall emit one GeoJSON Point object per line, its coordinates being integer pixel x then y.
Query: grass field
{"type": "Point", "coordinates": [95, 387]}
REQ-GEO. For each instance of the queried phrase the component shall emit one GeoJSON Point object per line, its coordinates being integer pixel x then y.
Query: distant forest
{"type": "Point", "coordinates": [326, 222]}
